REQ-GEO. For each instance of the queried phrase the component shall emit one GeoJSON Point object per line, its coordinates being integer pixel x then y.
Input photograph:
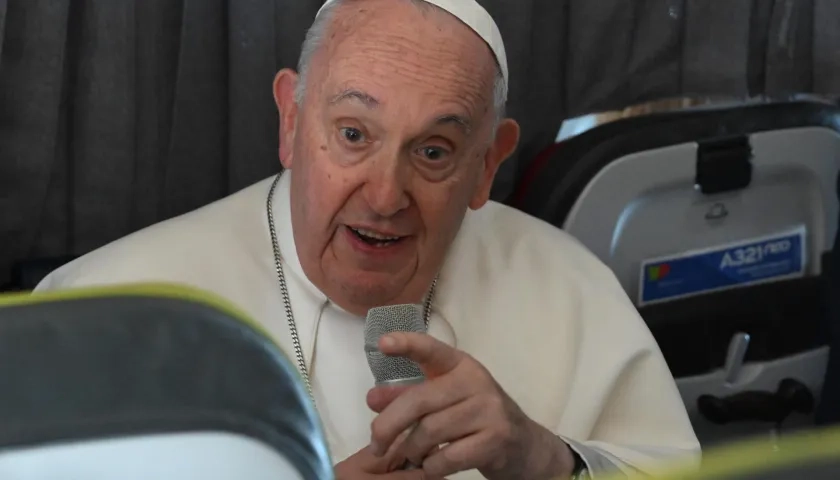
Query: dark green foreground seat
{"type": "Point", "coordinates": [148, 382]}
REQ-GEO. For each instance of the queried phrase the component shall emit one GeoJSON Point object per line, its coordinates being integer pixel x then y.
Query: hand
{"type": "Point", "coordinates": [364, 465]}
{"type": "Point", "coordinates": [461, 405]}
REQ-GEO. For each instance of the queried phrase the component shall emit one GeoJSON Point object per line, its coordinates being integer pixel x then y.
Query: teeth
{"type": "Point", "coordinates": [374, 235]}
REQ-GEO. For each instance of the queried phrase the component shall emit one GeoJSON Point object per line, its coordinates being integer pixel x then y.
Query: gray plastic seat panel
{"type": "Point", "coordinates": [646, 205]}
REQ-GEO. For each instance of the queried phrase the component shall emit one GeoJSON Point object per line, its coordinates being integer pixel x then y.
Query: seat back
{"type": "Point", "coordinates": [812, 456]}
{"type": "Point", "coordinates": [714, 221]}
{"type": "Point", "coordinates": [828, 412]}
{"type": "Point", "coordinates": [148, 382]}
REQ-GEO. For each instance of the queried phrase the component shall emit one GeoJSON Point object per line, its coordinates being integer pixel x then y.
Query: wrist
{"type": "Point", "coordinates": [550, 458]}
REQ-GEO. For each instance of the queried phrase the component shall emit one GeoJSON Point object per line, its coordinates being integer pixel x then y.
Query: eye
{"type": "Point", "coordinates": [433, 153]}
{"type": "Point", "coordinates": [352, 135]}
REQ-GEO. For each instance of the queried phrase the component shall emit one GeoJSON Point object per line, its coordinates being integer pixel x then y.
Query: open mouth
{"type": "Point", "coordinates": [374, 238]}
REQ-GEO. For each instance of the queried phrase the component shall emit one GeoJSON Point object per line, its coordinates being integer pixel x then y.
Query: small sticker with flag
{"type": "Point", "coordinates": [658, 272]}
{"type": "Point", "coordinates": [750, 261]}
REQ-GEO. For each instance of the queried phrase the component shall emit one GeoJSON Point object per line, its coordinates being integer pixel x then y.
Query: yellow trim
{"type": "Point", "coordinates": [748, 457]}
{"type": "Point", "coordinates": [755, 457]}
{"type": "Point", "coordinates": [155, 290]}
{"type": "Point", "coordinates": [159, 290]}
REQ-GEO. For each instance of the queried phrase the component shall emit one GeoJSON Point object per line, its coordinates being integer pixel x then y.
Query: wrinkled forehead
{"type": "Point", "coordinates": [404, 54]}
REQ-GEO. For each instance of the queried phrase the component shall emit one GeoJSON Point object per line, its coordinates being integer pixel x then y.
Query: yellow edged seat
{"type": "Point", "coordinates": [149, 381]}
{"type": "Point", "coordinates": [808, 455]}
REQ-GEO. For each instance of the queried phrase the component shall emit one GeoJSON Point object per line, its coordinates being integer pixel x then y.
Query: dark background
{"type": "Point", "coordinates": [115, 114]}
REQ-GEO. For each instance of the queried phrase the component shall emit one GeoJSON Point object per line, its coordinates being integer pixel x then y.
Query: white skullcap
{"type": "Point", "coordinates": [476, 17]}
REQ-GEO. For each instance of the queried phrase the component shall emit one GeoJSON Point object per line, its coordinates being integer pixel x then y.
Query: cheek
{"type": "Point", "coordinates": [446, 206]}
{"type": "Point", "coordinates": [443, 209]}
{"type": "Point", "coordinates": [327, 191]}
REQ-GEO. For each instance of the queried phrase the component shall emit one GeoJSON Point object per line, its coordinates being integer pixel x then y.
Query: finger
{"type": "Point", "coordinates": [394, 458]}
{"type": "Point", "coordinates": [434, 357]}
{"type": "Point", "coordinates": [380, 397]}
{"type": "Point", "coordinates": [447, 426]}
{"type": "Point", "coordinates": [364, 460]}
{"type": "Point", "coordinates": [411, 475]}
{"type": "Point", "coordinates": [407, 410]}
{"type": "Point", "coordinates": [367, 462]}
{"type": "Point", "coordinates": [465, 454]}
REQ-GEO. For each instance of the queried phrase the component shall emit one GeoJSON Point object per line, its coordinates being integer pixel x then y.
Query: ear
{"type": "Point", "coordinates": [507, 137]}
{"type": "Point", "coordinates": [285, 83]}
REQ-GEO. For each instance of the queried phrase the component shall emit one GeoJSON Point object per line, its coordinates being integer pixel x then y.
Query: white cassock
{"type": "Point", "coordinates": [539, 311]}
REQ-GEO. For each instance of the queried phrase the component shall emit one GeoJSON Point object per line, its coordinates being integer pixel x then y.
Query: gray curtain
{"type": "Point", "coordinates": [115, 114]}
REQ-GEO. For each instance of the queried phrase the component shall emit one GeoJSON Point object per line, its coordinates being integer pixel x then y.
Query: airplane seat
{"type": "Point", "coordinates": [148, 381]}
{"type": "Point", "coordinates": [812, 455]}
{"type": "Point", "coordinates": [715, 221]}
{"type": "Point", "coordinates": [828, 411]}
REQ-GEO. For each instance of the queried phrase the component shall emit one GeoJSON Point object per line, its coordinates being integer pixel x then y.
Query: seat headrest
{"type": "Point", "coordinates": [82, 365]}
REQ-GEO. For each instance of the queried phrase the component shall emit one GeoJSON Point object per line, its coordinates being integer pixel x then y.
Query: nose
{"type": "Point", "coordinates": [386, 188]}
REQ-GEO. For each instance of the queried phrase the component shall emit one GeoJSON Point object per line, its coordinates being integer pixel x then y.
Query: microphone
{"type": "Point", "coordinates": [381, 321]}
{"type": "Point", "coordinates": [393, 371]}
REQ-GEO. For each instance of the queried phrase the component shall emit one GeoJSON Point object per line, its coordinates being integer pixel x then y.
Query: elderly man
{"type": "Point", "coordinates": [537, 364]}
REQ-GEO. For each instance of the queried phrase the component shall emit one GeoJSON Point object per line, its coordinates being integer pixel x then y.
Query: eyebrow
{"type": "Point", "coordinates": [371, 102]}
{"type": "Point", "coordinates": [462, 122]}
{"type": "Point", "coordinates": [351, 94]}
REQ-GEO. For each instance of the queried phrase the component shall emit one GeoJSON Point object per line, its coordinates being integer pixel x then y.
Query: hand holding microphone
{"type": "Point", "coordinates": [443, 396]}
{"type": "Point", "coordinates": [395, 374]}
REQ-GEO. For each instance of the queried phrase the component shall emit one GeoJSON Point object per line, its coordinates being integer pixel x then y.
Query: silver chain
{"type": "Point", "coordinates": [287, 302]}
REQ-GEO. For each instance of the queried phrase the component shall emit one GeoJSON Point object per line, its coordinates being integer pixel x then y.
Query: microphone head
{"type": "Point", "coordinates": [382, 321]}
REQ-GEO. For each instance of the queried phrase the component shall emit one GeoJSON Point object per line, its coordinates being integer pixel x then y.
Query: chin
{"type": "Point", "coordinates": [369, 289]}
